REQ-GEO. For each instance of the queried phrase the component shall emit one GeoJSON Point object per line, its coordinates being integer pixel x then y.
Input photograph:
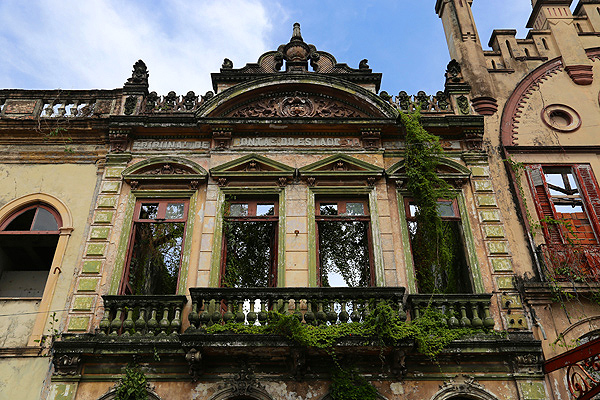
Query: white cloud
{"type": "Point", "coordinates": [93, 44]}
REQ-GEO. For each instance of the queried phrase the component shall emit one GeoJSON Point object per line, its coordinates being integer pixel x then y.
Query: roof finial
{"type": "Point", "coordinates": [296, 34]}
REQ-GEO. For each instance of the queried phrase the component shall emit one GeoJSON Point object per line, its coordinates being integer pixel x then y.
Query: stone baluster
{"type": "Point", "coordinates": [310, 317]}
{"type": "Point", "coordinates": [321, 316]}
{"type": "Point", "coordinates": [115, 325]}
{"type": "Point", "coordinates": [164, 322]}
{"type": "Point", "coordinates": [331, 314]}
{"type": "Point", "coordinates": [216, 314]}
{"type": "Point", "coordinates": [229, 316]}
{"type": "Point", "coordinates": [204, 314]}
{"type": "Point", "coordinates": [193, 317]}
{"type": "Point", "coordinates": [251, 316]}
{"type": "Point", "coordinates": [464, 320]}
{"type": "Point", "coordinates": [477, 322]}
{"type": "Point", "coordinates": [128, 324]}
{"type": "Point", "coordinates": [262, 315]}
{"type": "Point", "coordinates": [355, 314]}
{"type": "Point", "coordinates": [297, 312]}
{"type": "Point", "coordinates": [140, 323]}
{"type": "Point", "coordinates": [452, 321]}
{"type": "Point", "coordinates": [152, 322]}
{"type": "Point", "coordinates": [488, 321]}
{"type": "Point", "coordinates": [176, 322]}
{"type": "Point", "coordinates": [240, 317]}
{"type": "Point", "coordinates": [343, 316]}
{"type": "Point", "coordinates": [104, 325]}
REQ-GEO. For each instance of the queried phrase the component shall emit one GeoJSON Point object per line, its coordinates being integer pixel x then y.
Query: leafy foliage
{"type": "Point", "coordinates": [349, 385]}
{"type": "Point", "coordinates": [433, 241]}
{"type": "Point", "coordinates": [133, 385]}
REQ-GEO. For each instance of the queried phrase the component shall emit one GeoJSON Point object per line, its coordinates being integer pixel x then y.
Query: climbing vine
{"type": "Point", "coordinates": [133, 385]}
{"type": "Point", "coordinates": [433, 242]}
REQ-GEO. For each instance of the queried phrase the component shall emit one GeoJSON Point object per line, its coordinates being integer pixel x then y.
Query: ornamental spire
{"type": "Point", "coordinates": [296, 35]}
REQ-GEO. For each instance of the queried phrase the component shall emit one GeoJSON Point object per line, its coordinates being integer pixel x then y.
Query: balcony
{"type": "Point", "coordinates": [571, 262]}
{"type": "Point", "coordinates": [463, 310]}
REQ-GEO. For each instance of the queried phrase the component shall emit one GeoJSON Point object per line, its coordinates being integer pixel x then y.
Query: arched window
{"type": "Point", "coordinates": [493, 64]}
{"type": "Point", "coordinates": [578, 26]}
{"type": "Point", "coordinates": [28, 240]}
{"type": "Point", "coordinates": [545, 43]}
{"type": "Point", "coordinates": [527, 52]}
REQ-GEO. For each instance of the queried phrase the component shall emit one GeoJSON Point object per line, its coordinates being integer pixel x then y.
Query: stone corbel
{"type": "Point", "coordinates": [580, 74]}
{"type": "Point", "coordinates": [371, 139]}
{"type": "Point", "coordinates": [221, 139]}
{"type": "Point", "coordinates": [66, 364]}
{"type": "Point", "coordinates": [194, 359]}
{"type": "Point", "coordinates": [119, 140]}
{"type": "Point", "coordinates": [299, 367]}
{"type": "Point", "coordinates": [474, 139]}
{"type": "Point", "coordinates": [398, 363]}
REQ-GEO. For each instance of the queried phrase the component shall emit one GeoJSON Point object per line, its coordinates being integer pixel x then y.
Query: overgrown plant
{"type": "Point", "coordinates": [133, 385]}
{"type": "Point", "coordinates": [433, 241]}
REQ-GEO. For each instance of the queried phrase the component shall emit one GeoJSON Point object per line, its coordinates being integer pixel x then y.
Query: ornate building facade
{"type": "Point", "coordinates": [133, 224]}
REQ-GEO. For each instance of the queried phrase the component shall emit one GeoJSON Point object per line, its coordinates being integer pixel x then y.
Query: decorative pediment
{"type": "Point", "coordinates": [340, 167]}
{"type": "Point", "coordinates": [296, 104]}
{"type": "Point", "coordinates": [165, 171]}
{"type": "Point", "coordinates": [449, 170]}
{"type": "Point", "coordinates": [295, 57]}
{"type": "Point", "coordinates": [253, 167]}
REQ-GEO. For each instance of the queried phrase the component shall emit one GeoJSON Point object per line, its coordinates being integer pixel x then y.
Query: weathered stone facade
{"type": "Point", "coordinates": [300, 134]}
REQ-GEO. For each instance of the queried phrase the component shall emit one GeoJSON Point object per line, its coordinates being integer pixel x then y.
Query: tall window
{"type": "Point", "coordinates": [28, 242]}
{"type": "Point", "coordinates": [567, 202]}
{"type": "Point", "coordinates": [447, 273]}
{"type": "Point", "coordinates": [344, 247]}
{"type": "Point", "coordinates": [155, 247]}
{"type": "Point", "coordinates": [250, 243]}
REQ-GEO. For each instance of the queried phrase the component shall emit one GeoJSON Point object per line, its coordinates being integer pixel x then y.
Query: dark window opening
{"type": "Point", "coordinates": [448, 273]}
{"type": "Point", "coordinates": [28, 242]}
{"type": "Point", "coordinates": [156, 248]}
{"type": "Point", "coordinates": [250, 244]}
{"type": "Point", "coordinates": [545, 43]}
{"type": "Point", "coordinates": [344, 246]}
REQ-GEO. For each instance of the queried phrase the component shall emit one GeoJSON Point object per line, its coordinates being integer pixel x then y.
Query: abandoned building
{"type": "Point", "coordinates": [152, 242]}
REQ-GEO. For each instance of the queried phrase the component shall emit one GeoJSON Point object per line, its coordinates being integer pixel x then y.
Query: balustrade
{"type": "Point", "coordinates": [463, 310]}
{"type": "Point", "coordinates": [153, 103]}
{"type": "Point", "coordinates": [68, 108]}
{"type": "Point", "coordinates": [141, 315]}
{"type": "Point", "coordinates": [315, 306]}
{"type": "Point", "coordinates": [440, 103]}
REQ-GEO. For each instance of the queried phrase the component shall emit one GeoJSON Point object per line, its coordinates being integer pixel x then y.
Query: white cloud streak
{"type": "Point", "coordinates": [94, 43]}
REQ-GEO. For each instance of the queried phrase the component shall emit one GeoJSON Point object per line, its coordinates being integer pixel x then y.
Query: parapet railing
{"type": "Point", "coordinates": [314, 306]}
{"type": "Point", "coordinates": [463, 310]}
{"type": "Point", "coordinates": [141, 315]}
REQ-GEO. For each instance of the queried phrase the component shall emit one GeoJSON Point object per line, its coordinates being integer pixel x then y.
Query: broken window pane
{"type": "Point", "coordinates": [175, 210]}
{"type": "Point", "coordinates": [149, 211]}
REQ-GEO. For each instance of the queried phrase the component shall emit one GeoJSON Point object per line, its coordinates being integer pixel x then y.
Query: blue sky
{"type": "Point", "coordinates": [73, 44]}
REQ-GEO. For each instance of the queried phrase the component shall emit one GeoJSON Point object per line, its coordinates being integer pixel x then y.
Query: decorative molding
{"type": "Point", "coordinates": [221, 139]}
{"type": "Point", "coordinates": [463, 385]}
{"type": "Point", "coordinates": [296, 105]}
{"type": "Point", "coordinates": [66, 364]}
{"type": "Point", "coordinates": [119, 140]}
{"type": "Point", "coordinates": [371, 139]}
{"type": "Point", "coordinates": [485, 105]}
{"type": "Point", "coordinates": [194, 359]}
{"type": "Point", "coordinates": [580, 74]}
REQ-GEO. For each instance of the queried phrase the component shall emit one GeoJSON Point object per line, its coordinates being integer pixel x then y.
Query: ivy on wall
{"type": "Point", "coordinates": [433, 241]}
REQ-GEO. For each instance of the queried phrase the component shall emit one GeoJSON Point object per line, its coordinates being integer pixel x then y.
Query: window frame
{"type": "Point", "coordinates": [343, 217]}
{"type": "Point", "coordinates": [163, 202]}
{"type": "Point", "coordinates": [369, 193]}
{"type": "Point", "coordinates": [252, 217]}
{"type": "Point", "coordinates": [277, 192]}
{"type": "Point", "coordinates": [65, 231]}
{"type": "Point", "coordinates": [589, 193]}
{"type": "Point", "coordinates": [469, 242]}
{"type": "Point", "coordinates": [408, 200]}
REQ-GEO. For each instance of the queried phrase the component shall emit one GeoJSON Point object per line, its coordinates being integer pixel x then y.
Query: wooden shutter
{"type": "Point", "coordinates": [543, 202]}
{"type": "Point", "coordinates": [589, 191]}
